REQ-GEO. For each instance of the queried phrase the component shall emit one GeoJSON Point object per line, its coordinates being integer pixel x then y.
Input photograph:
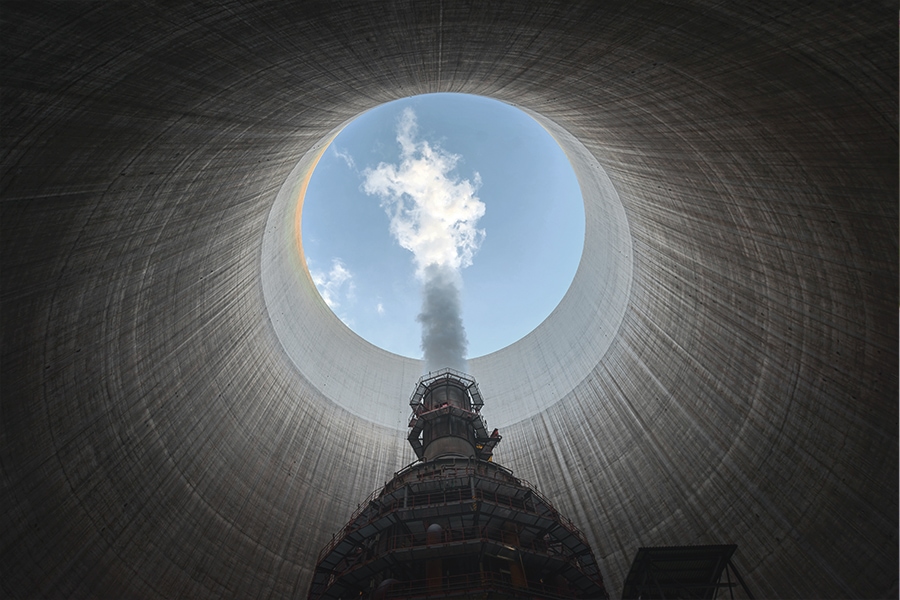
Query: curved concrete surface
{"type": "Point", "coordinates": [158, 440]}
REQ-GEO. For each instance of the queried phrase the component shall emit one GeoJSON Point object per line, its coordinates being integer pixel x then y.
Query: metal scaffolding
{"type": "Point", "coordinates": [454, 523]}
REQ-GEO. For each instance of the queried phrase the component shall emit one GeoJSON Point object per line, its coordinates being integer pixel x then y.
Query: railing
{"type": "Point", "coordinates": [469, 383]}
{"type": "Point", "coordinates": [359, 556]}
{"type": "Point", "coordinates": [479, 534]}
{"type": "Point", "coordinates": [465, 467]}
{"type": "Point", "coordinates": [471, 415]}
{"type": "Point", "coordinates": [440, 498]}
{"type": "Point", "coordinates": [452, 471]}
{"type": "Point", "coordinates": [565, 521]}
{"type": "Point", "coordinates": [349, 527]}
{"type": "Point", "coordinates": [473, 583]}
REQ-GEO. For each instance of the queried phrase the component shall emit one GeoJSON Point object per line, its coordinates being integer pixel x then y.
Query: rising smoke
{"type": "Point", "coordinates": [443, 335]}
{"type": "Point", "coordinates": [433, 215]}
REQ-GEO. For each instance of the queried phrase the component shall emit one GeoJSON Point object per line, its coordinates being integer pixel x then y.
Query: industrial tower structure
{"type": "Point", "coordinates": [724, 363]}
{"type": "Point", "coordinates": [454, 523]}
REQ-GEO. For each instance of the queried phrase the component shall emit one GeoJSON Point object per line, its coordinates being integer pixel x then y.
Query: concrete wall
{"type": "Point", "coordinates": [159, 440]}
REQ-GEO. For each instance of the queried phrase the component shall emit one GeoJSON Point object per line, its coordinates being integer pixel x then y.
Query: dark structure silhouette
{"type": "Point", "coordinates": [455, 524]}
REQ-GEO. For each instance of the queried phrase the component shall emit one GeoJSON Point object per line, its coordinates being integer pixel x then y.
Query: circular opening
{"type": "Point", "coordinates": [517, 381]}
{"type": "Point", "coordinates": [406, 178]}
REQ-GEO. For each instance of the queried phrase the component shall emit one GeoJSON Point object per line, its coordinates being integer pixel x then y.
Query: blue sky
{"type": "Point", "coordinates": [529, 238]}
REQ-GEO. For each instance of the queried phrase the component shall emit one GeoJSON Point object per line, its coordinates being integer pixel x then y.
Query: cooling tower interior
{"type": "Point", "coordinates": [182, 416]}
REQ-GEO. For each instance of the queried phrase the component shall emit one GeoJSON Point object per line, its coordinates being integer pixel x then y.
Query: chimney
{"type": "Point", "coordinates": [446, 418]}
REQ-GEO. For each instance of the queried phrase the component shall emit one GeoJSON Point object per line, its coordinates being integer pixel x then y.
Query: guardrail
{"type": "Point", "coordinates": [455, 471]}
{"type": "Point", "coordinates": [448, 537]}
{"type": "Point", "coordinates": [485, 582]}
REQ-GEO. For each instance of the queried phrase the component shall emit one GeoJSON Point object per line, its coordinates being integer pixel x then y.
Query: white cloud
{"type": "Point", "coordinates": [380, 308]}
{"type": "Point", "coordinates": [345, 156]}
{"type": "Point", "coordinates": [433, 212]}
{"type": "Point", "coordinates": [334, 286]}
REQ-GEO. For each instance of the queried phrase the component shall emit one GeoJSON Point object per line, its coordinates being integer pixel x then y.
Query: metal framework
{"type": "Point", "coordinates": [456, 524]}
{"type": "Point", "coordinates": [693, 572]}
{"type": "Point", "coordinates": [421, 415]}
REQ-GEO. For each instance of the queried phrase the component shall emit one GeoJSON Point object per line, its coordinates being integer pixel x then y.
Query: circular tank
{"type": "Point", "coordinates": [446, 392]}
{"type": "Point", "coordinates": [450, 432]}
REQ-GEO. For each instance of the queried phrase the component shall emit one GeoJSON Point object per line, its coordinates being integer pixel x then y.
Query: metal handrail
{"type": "Point", "coordinates": [437, 498]}
{"type": "Point", "coordinates": [470, 385]}
{"type": "Point", "coordinates": [469, 469]}
{"type": "Point", "coordinates": [481, 582]}
{"type": "Point", "coordinates": [467, 534]}
{"type": "Point", "coordinates": [564, 520]}
{"type": "Point", "coordinates": [481, 533]}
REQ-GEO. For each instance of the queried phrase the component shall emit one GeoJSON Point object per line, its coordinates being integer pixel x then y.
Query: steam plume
{"type": "Point", "coordinates": [434, 216]}
{"type": "Point", "coordinates": [443, 335]}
